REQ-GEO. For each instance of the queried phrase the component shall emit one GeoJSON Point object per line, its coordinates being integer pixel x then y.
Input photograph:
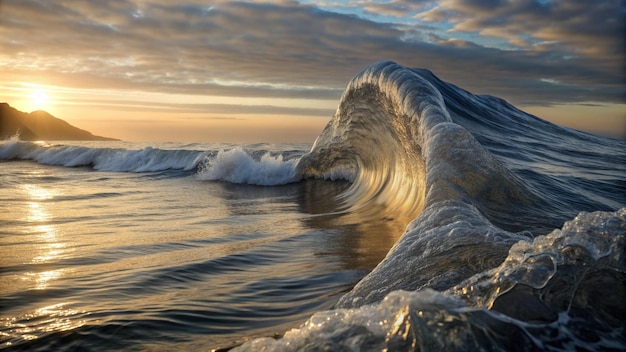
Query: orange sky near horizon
{"type": "Point", "coordinates": [136, 116]}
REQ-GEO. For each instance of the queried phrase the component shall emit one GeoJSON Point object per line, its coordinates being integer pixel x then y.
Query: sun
{"type": "Point", "coordinates": [39, 99]}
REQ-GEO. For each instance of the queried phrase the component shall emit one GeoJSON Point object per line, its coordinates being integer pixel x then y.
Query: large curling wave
{"type": "Point", "coordinates": [483, 264]}
{"type": "Point", "coordinates": [410, 141]}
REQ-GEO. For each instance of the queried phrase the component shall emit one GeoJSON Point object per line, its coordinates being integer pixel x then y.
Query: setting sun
{"type": "Point", "coordinates": [39, 99]}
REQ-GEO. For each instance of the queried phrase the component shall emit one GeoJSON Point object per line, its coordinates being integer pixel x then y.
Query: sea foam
{"type": "Point", "coordinates": [238, 166]}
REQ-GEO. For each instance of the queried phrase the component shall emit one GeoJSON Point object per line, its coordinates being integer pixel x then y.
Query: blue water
{"type": "Point", "coordinates": [423, 217]}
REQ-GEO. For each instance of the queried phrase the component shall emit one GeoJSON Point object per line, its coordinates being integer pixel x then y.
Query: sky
{"type": "Point", "coordinates": [274, 71]}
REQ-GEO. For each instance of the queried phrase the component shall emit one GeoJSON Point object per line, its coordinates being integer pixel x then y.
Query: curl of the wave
{"type": "Point", "coordinates": [392, 127]}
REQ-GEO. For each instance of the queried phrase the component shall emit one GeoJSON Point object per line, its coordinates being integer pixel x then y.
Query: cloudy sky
{"type": "Point", "coordinates": [249, 71]}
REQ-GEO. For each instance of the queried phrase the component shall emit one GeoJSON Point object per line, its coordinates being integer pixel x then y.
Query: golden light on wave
{"type": "Point", "coordinates": [49, 246]}
{"type": "Point", "coordinates": [41, 280]}
{"type": "Point", "coordinates": [43, 320]}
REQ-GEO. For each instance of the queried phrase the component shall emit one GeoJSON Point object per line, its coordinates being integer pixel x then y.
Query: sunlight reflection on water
{"type": "Point", "coordinates": [52, 318]}
{"type": "Point", "coordinates": [47, 247]}
{"type": "Point", "coordinates": [42, 279]}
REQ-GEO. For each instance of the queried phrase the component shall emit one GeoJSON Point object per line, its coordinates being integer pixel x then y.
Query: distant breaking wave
{"type": "Point", "coordinates": [106, 159]}
{"type": "Point", "coordinates": [238, 166]}
{"type": "Point", "coordinates": [235, 165]}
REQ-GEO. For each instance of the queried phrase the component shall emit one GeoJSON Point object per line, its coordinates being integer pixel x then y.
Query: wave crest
{"type": "Point", "coordinates": [106, 159]}
{"type": "Point", "coordinates": [237, 166]}
{"type": "Point", "coordinates": [413, 143]}
{"type": "Point", "coordinates": [392, 127]}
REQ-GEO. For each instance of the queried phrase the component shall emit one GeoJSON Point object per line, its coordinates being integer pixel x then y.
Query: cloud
{"type": "Point", "coordinates": [296, 50]}
{"type": "Point", "coordinates": [203, 109]}
{"type": "Point", "coordinates": [395, 8]}
{"type": "Point", "coordinates": [570, 28]}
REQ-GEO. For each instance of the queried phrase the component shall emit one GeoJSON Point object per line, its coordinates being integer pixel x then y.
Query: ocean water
{"type": "Point", "coordinates": [424, 217]}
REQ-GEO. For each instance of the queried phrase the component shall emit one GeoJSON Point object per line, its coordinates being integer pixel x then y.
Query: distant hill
{"type": "Point", "coordinates": [40, 125]}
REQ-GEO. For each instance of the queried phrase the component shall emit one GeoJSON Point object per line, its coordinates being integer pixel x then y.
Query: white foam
{"type": "Point", "coordinates": [237, 166]}
{"type": "Point", "coordinates": [106, 159]}
{"type": "Point", "coordinates": [354, 329]}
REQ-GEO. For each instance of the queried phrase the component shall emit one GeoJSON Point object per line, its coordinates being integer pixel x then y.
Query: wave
{"type": "Point", "coordinates": [106, 159]}
{"type": "Point", "coordinates": [238, 166]}
{"type": "Point", "coordinates": [483, 182]}
{"type": "Point", "coordinates": [234, 165]}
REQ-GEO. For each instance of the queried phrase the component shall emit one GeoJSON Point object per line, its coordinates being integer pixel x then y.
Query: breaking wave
{"type": "Point", "coordinates": [235, 165]}
{"type": "Point", "coordinates": [481, 265]}
{"type": "Point", "coordinates": [238, 166]}
{"type": "Point", "coordinates": [106, 159]}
